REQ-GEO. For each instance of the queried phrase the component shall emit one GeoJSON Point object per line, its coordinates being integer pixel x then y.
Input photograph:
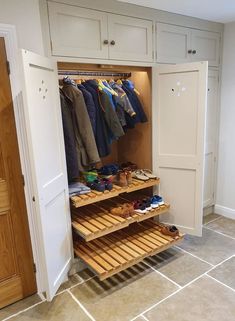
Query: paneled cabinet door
{"type": "Point", "coordinates": [207, 47]}
{"type": "Point", "coordinates": [178, 141]}
{"type": "Point", "coordinates": [78, 32]}
{"type": "Point", "coordinates": [173, 43]}
{"type": "Point", "coordinates": [211, 138]}
{"type": "Point", "coordinates": [130, 38]}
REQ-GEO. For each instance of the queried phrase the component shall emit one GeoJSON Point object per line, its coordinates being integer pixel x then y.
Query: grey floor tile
{"type": "Point", "coordinates": [19, 306]}
{"type": "Point", "coordinates": [212, 247]}
{"type": "Point", "coordinates": [178, 265]}
{"type": "Point", "coordinates": [76, 279]}
{"type": "Point", "coordinates": [62, 308]}
{"type": "Point", "coordinates": [210, 217]}
{"type": "Point", "coordinates": [124, 295]}
{"type": "Point", "coordinates": [225, 272]}
{"type": "Point", "coordinates": [223, 225]}
{"type": "Point", "coordinates": [203, 300]}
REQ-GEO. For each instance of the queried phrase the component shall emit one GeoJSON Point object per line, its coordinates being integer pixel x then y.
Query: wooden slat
{"type": "Point", "coordinates": [96, 196]}
{"type": "Point", "coordinates": [95, 221]}
{"type": "Point", "coordinates": [115, 252]}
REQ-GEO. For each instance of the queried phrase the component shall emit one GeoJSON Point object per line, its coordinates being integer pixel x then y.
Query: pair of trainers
{"type": "Point", "coordinates": [143, 206]}
{"type": "Point", "coordinates": [100, 185]}
{"type": "Point", "coordinates": [124, 210]}
{"type": "Point", "coordinates": [157, 201]}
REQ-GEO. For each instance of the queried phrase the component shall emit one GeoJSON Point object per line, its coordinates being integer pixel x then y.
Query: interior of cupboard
{"type": "Point", "coordinates": [136, 144]}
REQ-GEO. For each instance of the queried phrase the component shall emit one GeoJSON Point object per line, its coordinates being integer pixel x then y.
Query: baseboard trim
{"type": "Point", "coordinates": [225, 211]}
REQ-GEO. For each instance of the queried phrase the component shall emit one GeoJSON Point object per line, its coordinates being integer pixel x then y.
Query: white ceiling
{"type": "Point", "coordinates": [214, 10]}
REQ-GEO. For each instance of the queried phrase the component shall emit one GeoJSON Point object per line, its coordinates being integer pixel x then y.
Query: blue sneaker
{"type": "Point", "coordinates": [157, 201]}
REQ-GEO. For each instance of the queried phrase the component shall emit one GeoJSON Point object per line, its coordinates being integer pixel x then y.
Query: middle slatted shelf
{"type": "Point", "coordinates": [96, 220]}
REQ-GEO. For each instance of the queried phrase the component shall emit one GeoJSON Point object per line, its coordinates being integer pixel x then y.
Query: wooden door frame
{"type": "Point", "coordinates": [8, 32]}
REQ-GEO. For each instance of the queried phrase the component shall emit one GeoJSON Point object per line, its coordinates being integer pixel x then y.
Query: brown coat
{"type": "Point", "coordinates": [85, 140]}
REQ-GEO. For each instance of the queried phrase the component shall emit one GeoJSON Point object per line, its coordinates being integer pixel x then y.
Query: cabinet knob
{"type": "Point", "coordinates": [189, 51]}
{"type": "Point", "coordinates": [194, 52]}
{"type": "Point", "coordinates": [105, 42]}
{"type": "Point", "coordinates": [112, 42]}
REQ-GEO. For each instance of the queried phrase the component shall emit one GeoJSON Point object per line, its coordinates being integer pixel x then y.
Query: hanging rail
{"type": "Point", "coordinates": [94, 73]}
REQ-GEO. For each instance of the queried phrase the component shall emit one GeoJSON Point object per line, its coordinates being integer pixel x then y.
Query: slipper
{"type": "Point", "coordinates": [149, 173]}
{"type": "Point", "coordinates": [139, 174]}
{"type": "Point", "coordinates": [170, 231]}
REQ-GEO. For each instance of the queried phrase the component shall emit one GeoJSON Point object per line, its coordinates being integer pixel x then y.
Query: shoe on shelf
{"type": "Point", "coordinates": [107, 183]}
{"type": "Point", "coordinates": [170, 230]}
{"type": "Point", "coordinates": [90, 176]}
{"type": "Point", "coordinates": [129, 177]}
{"type": "Point", "coordinates": [121, 179]}
{"type": "Point", "coordinates": [97, 185]}
{"type": "Point", "coordinates": [129, 165]}
{"type": "Point", "coordinates": [140, 207]}
{"type": "Point", "coordinates": [120, 211]}
{"type": "Point", "coordinates": [110, 169]}
{"type": "Point", "coordinates": [129, 207]}
{"type": "Point", "coordinates": [149, 173]}
{"type": "Point", "coordinates": [147, 203]}
{"type": "Point", "coordinates": [154, 202]}
{"type": "Point", "coordinates": [139, 174]}
{"type": "Point", "coordinates": [158, 199]}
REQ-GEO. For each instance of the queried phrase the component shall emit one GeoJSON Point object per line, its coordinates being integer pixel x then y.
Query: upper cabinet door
{"type": "Point", "coordinates": [173, 43]}
{"type": "Point", "coordinates": [130, 38]}
{"type": "Point", "coordinates": [48, 168]}
{"type": "Point", "coordinates": [78, 32]}
{"type": "Point", "coordinates": [206, 46]}
{"type": "Point", "coordinates": [178, 131]}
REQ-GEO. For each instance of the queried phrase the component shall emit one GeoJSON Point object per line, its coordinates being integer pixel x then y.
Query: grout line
{"type": "Point", "coordinates": [193, 255]}
{"type": "Point", "coordinates": [186, 285]}
{"type": "Point", "coordinates": [215, 219]}
{"type": "Point", "coordinates": [227, 286]}
{"type": "Point", "coordinates": [74, 285]}
{"type": "Point", "coordinates": [163, 275]}
{"type": "Point", "coordinates": [81, 306]}
{"type": "Point", "coordinates": [233, 238]}
{"type": "Point", "coordinates": [24, 310]}
{"type": "Point", "coordinates": [144, 317]}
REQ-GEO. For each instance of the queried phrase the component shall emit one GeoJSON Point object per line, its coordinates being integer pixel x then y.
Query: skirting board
{"type": "Point", "coordinates": [225, 211]}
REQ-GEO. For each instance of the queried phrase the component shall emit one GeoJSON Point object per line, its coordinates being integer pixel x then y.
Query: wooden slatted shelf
{"type": "Point", "coordinates": [120, 250]}
{"type": "Point", "coordinates": [96, 221]}
{"type": "Point", "coordinates": [95, 196]}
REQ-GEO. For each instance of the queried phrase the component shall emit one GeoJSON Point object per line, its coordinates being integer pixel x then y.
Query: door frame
{"type": "Point", "coordinates": [8, 32]}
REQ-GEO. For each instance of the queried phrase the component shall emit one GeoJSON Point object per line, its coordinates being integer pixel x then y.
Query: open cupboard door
{"type": "Point", "coordinates": [48, 168]}
{"type": "Point", "coordinates": [178, 141]}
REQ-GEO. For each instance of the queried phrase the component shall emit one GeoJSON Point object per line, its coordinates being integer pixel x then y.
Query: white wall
{"type": "Point", "coordinates": [24, 14]}
{"type": "Point", "coordinates": [225, 198]}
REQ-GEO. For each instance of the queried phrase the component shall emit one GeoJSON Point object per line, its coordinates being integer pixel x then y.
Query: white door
{"type": "Point", "coordinates": [178, 141]}
{"type": "Point", "coordinates": [206, 46]}
{"type": "Point", "coordinates": [211, 138]}
{"type": "Point", "coordinates": [48, 167]}
{"type": "Point", "coordinates": [130, 38]}
{"type": "Point", "coordinates": [173, 43]}
{"type": "Point", "coordinates": [78, 32]}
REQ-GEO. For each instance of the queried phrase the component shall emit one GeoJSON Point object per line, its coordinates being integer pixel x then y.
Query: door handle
{"type": "Point", "coordinates": [105, 42]}
{"type": "Point", "coordinates": [194, 52]}
{"type": "Point", "coordinates": [112, 42]}
{"type": "Point", "coordinates": [189, 51]}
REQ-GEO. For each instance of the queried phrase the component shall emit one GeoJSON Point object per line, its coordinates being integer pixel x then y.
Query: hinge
{"type": "Point", "coordinates": [213, 195]}
{"type": "Point", "coordinates": [51, 45]}
{"type": "Point", "coordinates": [8, 67]}
{"type": "Point", "coordinates": [23, 180]}
{"type": "Point", "coordinates": [34, 268]}
{"type": "Point", "coordinates": [214, 158]}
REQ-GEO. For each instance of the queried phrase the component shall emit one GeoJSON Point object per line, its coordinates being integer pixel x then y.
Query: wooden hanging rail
{"type": "Point", "coordinates": [95, 220]}
{"type": "Point", "coordinates": [95, 196]}
{"type": "Point", "coordinates": [120, 250]}
{"type": "Point", "coordinates": [94, 73]}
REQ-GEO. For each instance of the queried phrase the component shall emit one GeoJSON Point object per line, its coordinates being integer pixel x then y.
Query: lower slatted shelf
{"type": "Point", "coordinates": [93, 221]}
{"type": "Point", "coordinates": [115, 252]}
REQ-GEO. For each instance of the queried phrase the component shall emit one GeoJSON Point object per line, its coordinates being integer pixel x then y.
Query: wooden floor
{"type": "Point", "coordinates": [115, 252]}
{"type": "Point", "coordinates": [95, 196]}
{"type": "Point", "coordinates": [94, 221]}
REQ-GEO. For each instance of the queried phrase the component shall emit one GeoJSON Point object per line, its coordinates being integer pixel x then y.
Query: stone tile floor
{"type": "Point", "coordinates": [193, 281]}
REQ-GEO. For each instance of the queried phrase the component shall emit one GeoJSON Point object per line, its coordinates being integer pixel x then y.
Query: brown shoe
{"type": "Point", "coordinates": [120, 211]}
{"type": "Point", "coordinates": [129, 207]}
{"type": "Point", "coordinates": [129, 177]}
{"type": "Point", "coordinates": [170, 231]}
{"type": "Point", "coordinates": [121, 179]}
